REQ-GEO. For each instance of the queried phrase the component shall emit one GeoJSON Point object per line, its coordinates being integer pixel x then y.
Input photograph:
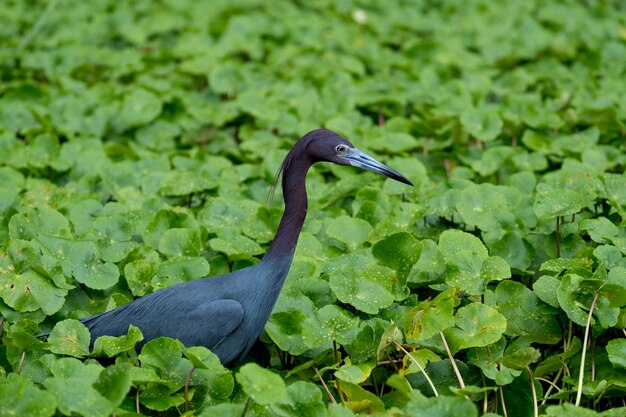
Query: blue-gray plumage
{"type": "Point", "coordinates": [226, 313]}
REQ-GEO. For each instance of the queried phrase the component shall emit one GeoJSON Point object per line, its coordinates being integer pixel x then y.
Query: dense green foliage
{"type": "Point", "coordinates": [138, 141]}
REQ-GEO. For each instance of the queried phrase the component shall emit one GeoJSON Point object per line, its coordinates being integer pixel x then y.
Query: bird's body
{"type": "Point", "coordinates": [227, 313]}
{"type": "Point", "coordinates": [224, 313]}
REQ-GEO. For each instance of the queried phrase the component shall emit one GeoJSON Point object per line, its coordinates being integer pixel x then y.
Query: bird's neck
{"type": "Point", "coordinates": [294, 192]}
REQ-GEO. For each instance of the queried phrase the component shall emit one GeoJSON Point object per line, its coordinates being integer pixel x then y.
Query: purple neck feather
{"type": "Point", "coordinates": [294, 192]}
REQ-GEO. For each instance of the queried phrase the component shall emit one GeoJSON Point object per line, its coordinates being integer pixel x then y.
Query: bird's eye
{"type": "Point", "coordinates": [340, 148]}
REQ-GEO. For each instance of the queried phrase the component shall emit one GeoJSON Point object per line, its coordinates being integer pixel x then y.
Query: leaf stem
{"type": "Point", "coordinates": [454, 367]}
{"type": "Point", "coordinates": [581, 373]}
{"type": "Point", "coordinates": [189, 374]}
{"type": "Point", "coordinates": [534, 391]}
{"type": "Point", "coordinates": [330, 395]}
{"type": "Point", "coordinates": [337, 359]}
{"type": "Point", "coordinates": [552, 385]}
{"type": "Point", "coordinates": [137, 408]}
{"type": "Point", "coordinates": [502, 400]}
{"type": "Point", "coordinates": [430, 382]}
{"type": "Point", "coordinates": [19, 366]}
{"type": "Point", "coordinates": [245, 407]}
{"type": "Point", "coordinates": [558, 236]}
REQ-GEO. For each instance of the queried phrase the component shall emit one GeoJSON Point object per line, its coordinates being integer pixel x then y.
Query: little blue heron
{"type": "Point", "coordinates": [226, 313]}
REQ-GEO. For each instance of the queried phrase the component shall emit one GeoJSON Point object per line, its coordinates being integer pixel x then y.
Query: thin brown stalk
{"type": "Point", "coordinates": [558, 236]}
{"type": "Point", "coordinates": [137, 402]}
{"type": "Point", "coordinates": [581, 373]}
{"type": "Point", "coordinates": [422, 370]}
{"type": "Point", "coordinates": [454, 367]}
{"type": "Point", "coordinates": [330, 395]}
{"type": "Point", "coordinates": [338, 359]}
{"type": "Point", "coordinates": [534, 391]}
{"type": "Point", "coordinates": [245, 407]}
{"type": "Point", "coordinates": [502, 401]}
{"type": "Point", "coordinates": [553, 385]}
{"type": "Point", "coordinates": [592, 346]}
{"type": "Point", "coordinates": [19, 366]}
{"type": "Point", "coordinates": [187, 380]}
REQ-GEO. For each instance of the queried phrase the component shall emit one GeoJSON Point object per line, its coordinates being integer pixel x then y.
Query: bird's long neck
{"type": "Point", "coordinates": [294, 192]}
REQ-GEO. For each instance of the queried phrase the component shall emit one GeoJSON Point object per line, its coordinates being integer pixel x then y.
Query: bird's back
{"type": "Point", "coordinates": [224, 313]}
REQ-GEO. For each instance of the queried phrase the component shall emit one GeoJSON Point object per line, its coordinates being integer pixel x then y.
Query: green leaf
{"type": "Point", "coordinates": [354, 374]}
{"type": "Point", "coordinates": [428, 318]}
{"type": "Point", "coordinates": [616, 350]}
{"type": "Point", "coordinates": [599, 229]}
{"type": "Point", "coordinates": [139, 107]}
{"type": "Point", "coordinates": [476, 325]}
{"type": "Point", "coordinates": [444, 406]}
{"type": "Point", "coordinates": [567, 295]}
{"type": "Point", "coordinates": [164, 355]}
{"type": "Point", "coordinates": [286, 324]}
{"type": "Point", "coordinates": [399, 251]}
{"type": "Point", "coordinates": [111, 345]}
{"type": "Point", "coordinates": [361, 400]}
{"type": "Point", "coordinates": [20, 397]}
{"type": "Point", "coordinates": [526, 315]}
{"type": "Point", "coordinates": [514, 249]}
{"type": "Point", "coordinates": [82, 258]}
{"type": "Point", "coordinates": [180, 242]}
{"type": "Point", "coordinates": [469, 266]}
{"type": "Point", "coordinates": [262, 385]}
{"type": "Point", "coordinates": [30, 291]}
{"type": "Point", "coordinates": [551, 202]}
{"type": "Point", "coordinates": [210, 373]}
{"type": "Point", "coordinates": [139, 273]}
{"type": "Point", "coordinates": [114, 382]}
{"type": "Point", "coordinates": [361, 289]}
{"type": "Point", "coordinates": [304, 399]}
{"type": "Point", "coordinates": [236, 246]}
{"type": "Point", "coordinates": [181, 269]}
{"type": "Point", "coordinates": [180, 183]}
{"type": "Point", "coordinates": [521, 358]}
{"type": "Point", "coordinates": [348, 230]}
{"type": "Point", "coordinates": [486, 206]}
{"type": "Point", "coordinates": [74, 396]}
{"type": "Point", "coordinates": [329, 323]}
{"type": "Point", "coordinates": [69, 337]}
{"type": "Point", "coordinates": [483, 124]}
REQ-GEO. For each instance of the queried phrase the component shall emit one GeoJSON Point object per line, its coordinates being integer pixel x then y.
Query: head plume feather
{"type": "Point", "coordinates": [293, 155]}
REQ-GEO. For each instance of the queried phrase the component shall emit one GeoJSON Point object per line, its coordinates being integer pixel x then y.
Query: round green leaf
{"type": "Point", "coordinates": [69, 337]}
{"type": "Point", "coordinates": [552, 202]}
{"type": "Point", "coordinates": [398, 251]}
{"type": "Point", "coordinates": [112, 345]}
{"type": "Point", "coordinates": [348, 230]}
{"type": "Point", "coordinates": [75, 397]}
{"type": "Point", "coordinates": [180, 183]}
{"type": "Point", "coordinates": [262, 385]}
{"type": "Point", "coordinates": [114, 382]}
{"type": "Point", "coordinates": [30, 291]}
{"type": "Point", "coordinates": [476, 325]}
{"type": "Point", "coordinates": [180, 242]}
{"type": "Point", "coordinates": [616, 350]}
{"type": "Point", "coordinates": [304, 399]}
{"type": "Point", "coordinates": [19, 397]}
{"type": "Point", "coordinates": [138, 108]}
{"type": "Point", "coordinates": [356, 287]}
{"type": "Point", "coordinates": [329, 323]}
{"type": "Point", "coordinates": [484, 124]}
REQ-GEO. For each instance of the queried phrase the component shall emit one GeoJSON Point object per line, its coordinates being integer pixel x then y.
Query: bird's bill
{"type": "Point", "coordinates": [359, 159]}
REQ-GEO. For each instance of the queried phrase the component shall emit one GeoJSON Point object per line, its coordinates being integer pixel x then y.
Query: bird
{"type": "Point", "coordinates": [227, 313]}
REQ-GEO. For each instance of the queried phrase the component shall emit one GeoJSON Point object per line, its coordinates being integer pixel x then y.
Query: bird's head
{"type": "Point", "coordinates": [324, 145]}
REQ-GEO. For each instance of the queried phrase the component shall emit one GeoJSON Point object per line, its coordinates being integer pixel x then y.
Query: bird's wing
{"type": "Point", "coordinates": [216, 320]}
